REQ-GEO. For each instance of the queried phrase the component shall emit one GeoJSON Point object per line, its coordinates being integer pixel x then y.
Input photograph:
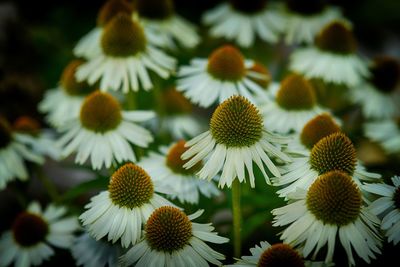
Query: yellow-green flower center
{"type": "Point", "coordinates": [29, 229]}
{"type": "Point", "coordinates": [260, 69]}
{"type": "Point", "coordinates": [100, 112]}
{"type": "Point", "coordinates": [168, 230]}
{"type": "Point", "coordinates": [296, 93]}
{"type": "Point", "coordinates": [317, 128]}
{"type": "Point", "coordinates": [69, 83]}
{"type": "Point", "coordinates": [123, 37]}
{"type": "Point", "coordinates": [226, 63]}
{"type": "Point", "coordinates": [280, 255]}
{"type": "Point", "coordinates": [334, 199]}
{"type": "Point", "coordinates": [27, 125]}
{"type": "Point", "coordinates": [130, 186]}
{"type": "Point", "coordinates": [236, 123]}
{"type": "Point", "coordinates": [112, 8]}
{"type": "Point", "coordinates": [385, 74]}
{"type": "Point", "coordinates": [175, 162]}
{"type": "Point", "coordinates": [306, 7]}
{"type": "Point", "coordinates": [5, 133]}
{"type": "Point", "coordinates": [175, 103]}
{"type": "Point", "coordinates": [334, 152]}
{"type": "Point", "coordinates": [336, 37]}
{"type": "Point", "coordinates": [249, 7]}
{"type": "Point", "coordinates": [155, 9]}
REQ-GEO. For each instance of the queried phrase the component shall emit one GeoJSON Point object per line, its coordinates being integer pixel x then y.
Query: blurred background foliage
{"type": "Point", "coordinates": [36, 42]}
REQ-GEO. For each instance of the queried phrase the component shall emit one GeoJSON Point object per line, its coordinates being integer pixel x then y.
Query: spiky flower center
{"type": "Point", "coordinates": [168, 229]}
{"type": "Point", "coordinates": [130, 186]}
{"type": "Point", "coordinates": [296, 93]}
{"type": "Point", "coordinates": [396, 198]}
{"type": "Point", "coordinates": [5, 133]}
{"type": "Point", "coordinates": [236, 123]}
{"type": "Point", "coordinates": [306, 7]}
{"type": "Point", "coordinates": [29, 229]}
{"type": "Point", "coordinates": [112, 8]}
{"type": "Point", "coordinates": [336, 37]}
{"type": "Point", "coordinates": [385, 74]}
{"type": "Point", "coordinates": [280, 255]}
{"type": "Point", "coordinates": [334, 152]}
{"type": "Point", "coordinates": [226, 63]}
{"type": "Point", "coordinates": [27, 125]}
{"type": "Point", "coordinates": [264, 75]}
{"type": "Point", "coordinates": [334, 198]}
{"type": "Point", "coordinates": [175, 103]}
{"type": "Point", "coordinates": [175, 162]}
{"type": "Point", "coordinates": [123, 37]}
{"type": "Point", "coordinates": [100, 112]}
{"type": "Point", "coordinates": [155, 9]}
{"type": "Point", "coordinates": [317, 128]}
{"type": "Point", "coordinates": [69, 83]}
{"type": "Point", "coordinates": [249, 7]}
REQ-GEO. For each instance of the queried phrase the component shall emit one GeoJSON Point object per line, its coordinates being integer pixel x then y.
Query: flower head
{"type": "Point", "coordinates": [235, 139]}
{"type": "Point", "coordinates": [120, 212]}
{"type": "Point", "coordinates": [332, 207]}
{"type": "Point", "coordinates": [104, 132]}
{"type": "Point", "coordinates": [225, 73]}
{"type": "Point", "coordinates": [34, 233]}
{"type": "Point", "coordinates": [173, 239]}
{"type": "Point", "coordinates": [333, 58]}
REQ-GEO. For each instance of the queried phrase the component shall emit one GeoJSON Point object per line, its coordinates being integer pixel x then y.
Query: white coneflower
{"type": "Point", "coordinates": [242, 21]}
{"type": "Point", "coordinates": [333, 58]}
{"type": "Point", "coordinates": [305, 18]}
{"type": "Point", "coordinates": [168, 169]}
{"type": "Point", "coordinates": [331, 208]}
{"type": "Point", "coordinates": [163, 27]}
{"type": "Point", "coordinates": [104, 132]}
{"type": "Point", "coordinates": [295, 104]}
{"type": "Point", "coordinates": [88, 46]}
{"type": "Point", "coordinates": [379, 97]}
{"type": "Point", "coordinates": [236, 138]}
{"type": "Point", "coordinates": [89, 252]}
{"type": "Point", "coordinates": [13, 152]}
{"type": "Point", "coordinates": [332, 152]}
{"type": "Point", "coordinates": [121, 211]}
{"type": "Point", "coordinates": [388, 206]}
{"type": "Point", "coordinates": [33, 234]}
{"type": "Point", "coordinates": [267, 255]}
{"type": "Point", "coordinates": [125, 58]}
{"type": "Point", "coordinates": [386, 133]}
{"type": "Point", "coordinates": [63, 103]}
{"type": "Point", "coordinates": [178, 118]}
{"type": "Point", "coordinates": [223, 74]}
{"type": "Point", "coordinates": [171, 239]}
{"type": "Point", "coordinates": [314, 130]}
{"type": "Point", "coordinates": [42, 141]}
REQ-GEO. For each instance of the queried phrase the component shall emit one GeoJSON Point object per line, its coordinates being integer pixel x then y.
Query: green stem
{"type": "Point", "coordinates": [48, 184]}
{"type": "Point", "coordinates": [131, 100]}
{"type": "Point", "coordinates": [236, 209]}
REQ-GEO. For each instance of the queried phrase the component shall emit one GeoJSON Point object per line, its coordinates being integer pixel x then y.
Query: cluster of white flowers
{"type": "Point", "coordinates": [260, 128]}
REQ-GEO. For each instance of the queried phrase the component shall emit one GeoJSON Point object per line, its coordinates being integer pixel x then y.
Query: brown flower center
{"type": "Point", "coordinates": [336, 37]}
{"type": "Point", "coordinates": [385, 73]}
{"type": "Point", "coordinates": [112, 8]}
{"type": "Point", "coordinates": [296, 93]}
{"type": "Point", "coordinates": [334, 198]}
{"type": "Point", "coordinates": [130, 186]}
{"type": "Point", "coordinates": [168, 229]}
{"type": "Point", "coordinates": [280, 255]}
{"type": "Point", "coordinates": [175, 163]}
{"type": "Point", "coordinates": [226, 63]}
{"type": "Point", "coordinates": [29, 229]}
